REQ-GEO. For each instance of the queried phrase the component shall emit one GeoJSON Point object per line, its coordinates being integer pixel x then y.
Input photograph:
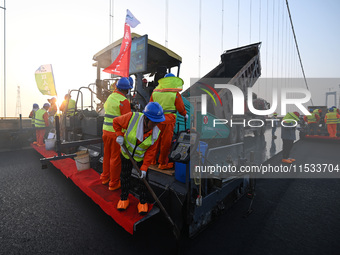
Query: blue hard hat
{"type": "Point", "coordinates": [124, 83]}
{"type": "Point", "coordinates": [311, 110]}
{"type": "Point", "coordinates": [35, 106]}
{"type": "Point", "coordinates": [169, 75]}
{"type": "Point", "coordinates": [131, 81]}
{"type": "Point", "coordinates": [46, 105]}
{"type": "Point", "coordinates": [154, 112]}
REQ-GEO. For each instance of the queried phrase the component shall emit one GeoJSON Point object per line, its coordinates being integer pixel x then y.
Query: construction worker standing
{"type": "Point", "coordinates": [312, 121]}
{"type": "Point", "coordinates": [53, 109]}
{"type": "Point", "coordinates": [41, 121]}
{"type": "Point", "coordinates": [274, 125]}
{"type": "Point", "coordinates": [337, 110]}
{"type": "Point", "coordinates": [32, 114]}
{"type": "Point", "coordinates": [331, 119]}
{"type": "Point", "coordinates": [68, 105]}
{"type": "Point", "coordinates": [288, 135]}
{"type": "Point", "coordinates": [140, 140]}
{"type": "Point", "coordinates": [168, 96]}
{"type": "Point", "coordinates": [115, 105]}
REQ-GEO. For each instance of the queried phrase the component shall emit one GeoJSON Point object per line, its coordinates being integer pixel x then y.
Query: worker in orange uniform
{"type": "Point", "coordinates": [168, 96]}
{"type": "Point", "coordinates": [53, 109]}
{"type": "Point", "coordinates": [68, 106]}
{"type": "Point", "coordinates": [32, 114]}
{"type": "Point", "coordinates": [41, 121]}
{"type": "Point", "coordinates": [312, 121]}
{"type": "Point", "coordinates": [331, 119]}
{"type": "Point", "coordinates": [140, 140]}
{"type": "Point", "coordinates": [338, 123]}
{"type": "Point", "coordinates": [115, 105]}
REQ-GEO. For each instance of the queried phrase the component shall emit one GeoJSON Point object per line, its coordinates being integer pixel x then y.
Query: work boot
{"type": "Point", "coordinates": [167, 166]}
{"type": "Point", "coordinates": [40, 145]}
{"type": "Point", "coordinates": [35, 142]}
{"type": "Point", "coordinates": [104, 180]}
{"type": "Point", "coordinates": [286, 161]}
{"type": "Point", "coordinates": [142, 208]}
{"type": "Point", "coordinates": [115, 186]}
{"type": "Point", "coordinates": [292, 159]}
{"type": "Point", "coordinates": [123, 204]}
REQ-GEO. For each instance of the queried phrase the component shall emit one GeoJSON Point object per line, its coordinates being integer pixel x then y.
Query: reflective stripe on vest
{"type": "Point", "coordinates": [33, 118]}
{"type": "Point", "coordinates": [71, 107]}
{"type": "Point", "coordinates": [336, 110]}
{"type": "Point", "coordinates": [290, 117]}
{"type": "Point", "coordinates": [130, 139]}
{"type": "Point", "coordinates": [166, 100]}
{"type": "Point", "coordinates": [39, 119]}
{"type": "Point", "coordinates": [112, 110]}
{"type": "Point", "coordinates": [311, 118]}
{"type": "Point", "coordinates": [331, 118]}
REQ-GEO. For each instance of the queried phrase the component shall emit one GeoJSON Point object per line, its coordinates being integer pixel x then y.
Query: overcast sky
{"type": "Point", "coordinates": [68, 33]}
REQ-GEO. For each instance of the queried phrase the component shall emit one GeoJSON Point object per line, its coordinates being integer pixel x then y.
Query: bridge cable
{"type": "Point", "coordinates": [297, 48]}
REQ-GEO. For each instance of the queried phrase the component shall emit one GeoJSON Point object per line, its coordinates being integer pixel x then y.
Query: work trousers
{"type": "Point", "coordinates": [274, 130]}
{"type": "Point", "coordinates": [287, 147]}
{"type": "Point", "coordinates": [331, 128]}
{"type": "Point", "coordinates": [40, 133]}
{"type": "Point", "coordinates": [125, 178]}
{"type": "Point", "coordinates": [164, 142]}
{"type": "Point", "coordinates": [111, 159]}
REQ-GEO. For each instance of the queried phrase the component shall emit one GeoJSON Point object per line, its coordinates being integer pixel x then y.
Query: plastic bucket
{"type": "Point", "coordinates": [82, 161]}
{"type": "Point", "coordinates": [49, 144]}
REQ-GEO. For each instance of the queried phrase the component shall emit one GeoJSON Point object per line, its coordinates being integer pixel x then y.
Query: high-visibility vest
{"type": "Point", "coordinates": [112, 110]}
{"type": "Point", "coordinates": [331, 118]}
{"type": "Point", "coordinates": [71, 107]}
{"type": "Point", "coordinates": [130, 139]}
{"type": "Point", "coordinates": [311, 118]}
{"type": "Point", "coordinates": [290, 117]}
{"type": "Point", "coordinates": [316, 111]}
{"type": "Point", "coordinates": [336, 110]}
{"type": "Point", "coordinates": [39, 119]}
{"type": "Point", "coordinates": [166, 100]}
{"type": "Point", "coordinates": [33, 117]}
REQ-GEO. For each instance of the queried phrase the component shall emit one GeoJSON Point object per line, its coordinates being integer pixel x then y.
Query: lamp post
{"type": "Point", "coordinates": [4, 8]}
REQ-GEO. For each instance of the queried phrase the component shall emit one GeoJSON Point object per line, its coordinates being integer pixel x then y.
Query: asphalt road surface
{"type": "Point", "coordinates": [43, 212]}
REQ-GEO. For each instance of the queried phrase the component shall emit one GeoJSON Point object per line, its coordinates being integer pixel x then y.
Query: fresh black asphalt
{"type": "Point", "coordinates": [43, 212]}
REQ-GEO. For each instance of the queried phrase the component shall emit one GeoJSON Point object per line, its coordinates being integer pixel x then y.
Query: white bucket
{"type": "Point", "coordinates": [49, 144]}
{"type": "Point", "coordinates": [82, 160]}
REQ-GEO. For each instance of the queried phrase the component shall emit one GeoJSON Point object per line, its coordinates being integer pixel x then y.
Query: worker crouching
{"type": "Point", "coordinates": [140, 140]}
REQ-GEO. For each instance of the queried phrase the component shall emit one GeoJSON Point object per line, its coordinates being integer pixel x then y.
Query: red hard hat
{"type": "Point", "coordinates": [297, 114]}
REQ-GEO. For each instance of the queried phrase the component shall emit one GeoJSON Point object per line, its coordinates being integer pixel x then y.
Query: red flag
{"type": "Point", "coordinates": [121, 64]}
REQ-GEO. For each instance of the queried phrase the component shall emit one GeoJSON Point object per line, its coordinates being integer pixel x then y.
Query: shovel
{"type": "Point", "coordinates": [175, 228]}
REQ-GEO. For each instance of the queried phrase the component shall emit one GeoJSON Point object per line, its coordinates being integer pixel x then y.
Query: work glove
{"type": "Point", "coordinates": [120, 140]}
{"type": "Point", "coordinates": [186, 117]}
{"type": "Point", "coordinates": [142, 174]}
